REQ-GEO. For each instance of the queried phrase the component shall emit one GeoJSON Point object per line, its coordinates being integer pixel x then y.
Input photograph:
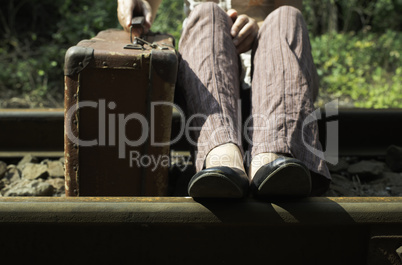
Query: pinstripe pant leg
{"type": "Point", "coordinates": [284, 87]}
{"type": "Point", "coordinates": [209, 79]}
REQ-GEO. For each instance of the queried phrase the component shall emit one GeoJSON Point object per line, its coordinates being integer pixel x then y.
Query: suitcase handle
{"type": "Point", "coordinates": [137, 43]}
{"type": "Point", "coordinates": [136, 23]}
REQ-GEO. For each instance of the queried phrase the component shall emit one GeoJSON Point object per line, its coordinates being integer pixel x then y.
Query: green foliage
{"type": "Point", "coordinates": [169, 18]}
{"type": "Point", "coordinates": [365, 69]}
{"type": "Point", "coordinates": [362, 64]}
{"type": "Point", "coordinates": [36, 35]}
{"type": "Point", "coordinates": [352, 15]}
{"type": "Point", "coordinates": [83, 19]}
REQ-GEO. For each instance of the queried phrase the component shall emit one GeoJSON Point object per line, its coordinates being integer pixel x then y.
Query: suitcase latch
{"type": "Point", "coordinates": [138, 44]}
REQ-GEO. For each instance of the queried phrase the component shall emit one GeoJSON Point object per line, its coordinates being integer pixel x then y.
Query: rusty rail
{"type": "Point", "coordinates": [184, 210]}
{"type": "Point", "coordinates": [183, 231]}
{"type": "Point", "coordinates": [362, 132]}
{"type": "Point", "coordinates": [38, 132]}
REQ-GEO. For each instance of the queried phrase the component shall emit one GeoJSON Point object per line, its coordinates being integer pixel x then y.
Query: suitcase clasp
{"type": "Point", "coordinates": [136, 23]}
{"type": "Point", "coordinates": [138, 44]}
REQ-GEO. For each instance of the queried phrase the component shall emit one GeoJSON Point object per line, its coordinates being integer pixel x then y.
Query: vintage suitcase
{"type": "Point", "coordinates": [118, 109]}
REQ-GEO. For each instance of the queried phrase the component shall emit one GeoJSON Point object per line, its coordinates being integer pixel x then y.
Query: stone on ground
{"type": "Point", "coordinates": [394, 158]}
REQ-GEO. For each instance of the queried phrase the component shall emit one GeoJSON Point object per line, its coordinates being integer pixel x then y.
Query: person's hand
{"type": "Point", "coordinates": [127, 8]}
{"type": "Point", "coordinates": [244, 31]}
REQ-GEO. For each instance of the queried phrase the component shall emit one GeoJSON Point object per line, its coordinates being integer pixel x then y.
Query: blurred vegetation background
{"type": "Point", "coordinates": [356, 44]}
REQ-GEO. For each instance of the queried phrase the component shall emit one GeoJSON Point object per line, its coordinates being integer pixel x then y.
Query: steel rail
{"type": "Point", "coordinates": [184, 210]}
{"type": "Point", "coordinates": [142, 230]}
{"type": "Point", "coordinates": [361, 132]}
{"type": "Point", "coordinates": [174, 230]}
{"type": "Point", "coordinates": [39, 132]}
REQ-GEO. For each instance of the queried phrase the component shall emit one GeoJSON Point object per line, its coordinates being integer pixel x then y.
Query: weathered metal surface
{"type": "Point", "coordinates": [26, 131]}
{"type": "Point", "coordinates": [127, 230]}
{"type": "Point", "coordinates": [361, 131]}
{"type": "Point", "coordinates": [175, 210]}
{"type": "Point", "coordinates": [77, 58]}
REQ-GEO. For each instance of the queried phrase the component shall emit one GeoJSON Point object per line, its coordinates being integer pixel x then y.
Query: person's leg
{"type": "Point", "coordinates": [209, 78]}
{"type": "Point", "coordinates": [284, 87]}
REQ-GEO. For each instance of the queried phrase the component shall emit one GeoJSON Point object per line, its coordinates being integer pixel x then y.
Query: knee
{"type": "Point", "coordinates": [290, 13]}
{"type": "Point", "coordinates": [205, 15]}
{"type": "Point", "coordinates": [286, 18]}
{"type": "Point", "coordinates": [206, 7]}
{"type": "Point", "coordinates": [202, 9]}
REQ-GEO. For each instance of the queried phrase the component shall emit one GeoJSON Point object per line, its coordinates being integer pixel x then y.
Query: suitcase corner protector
{"type": "Point", "coordinates": [77, 58]}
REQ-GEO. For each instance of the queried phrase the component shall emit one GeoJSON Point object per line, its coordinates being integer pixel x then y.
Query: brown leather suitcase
{"type": "Point", "coordinates": [118, 112]}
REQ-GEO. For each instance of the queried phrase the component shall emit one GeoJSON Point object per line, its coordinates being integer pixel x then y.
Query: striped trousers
{"type": "Point", "coordinates": [284, 87]}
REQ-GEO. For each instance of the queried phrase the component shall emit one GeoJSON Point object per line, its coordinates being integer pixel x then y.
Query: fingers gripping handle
{"type": "Point", "coordinates": [136, 23]}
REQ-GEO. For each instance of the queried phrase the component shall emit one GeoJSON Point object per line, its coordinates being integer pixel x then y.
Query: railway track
{"type": "Point", "coordinates": [179, 230]}
{"type": "Point", "coordinates": [183, 231]}
{"type": "Point", "coordinates": [361, 132]}
{"type": "Point", "coordinates": [39, 132]}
